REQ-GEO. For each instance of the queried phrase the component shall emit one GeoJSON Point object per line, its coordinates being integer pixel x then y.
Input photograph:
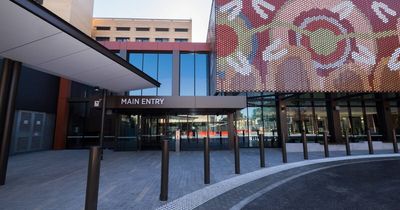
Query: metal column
{"type": "Point", "coordinates": [281, 124]}
{"type": "Point", "coordinates": [164, 171]}
{"type": "Point", "coordinates": [8, 118]}
{"type": "Point", "coordinates": [207, 155]}
{"type": "Point", "coordinates": [262, 153]}
{"type": "Point", "coordinates": [305, 148]}
{"type": "Point", "coordinates": [4, 90]}
{"type": "Point", "coordinates": [395, 146]}
{"type": "Point", "coordinates": [237, 154]}
{"type": "Point", "coordinates": [326, 147]}
{"type": "Point", "coordinates": [103, 115]}
{"type": "Point", "coordinates": [370, 145]}
{"type": "Point", "coordinates": [93, 178]}
{"type": "Point", "coordinates": [348, 151]}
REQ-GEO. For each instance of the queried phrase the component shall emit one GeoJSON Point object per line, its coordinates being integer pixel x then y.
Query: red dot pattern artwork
{"type": "Point", "coordinates": [306, 45]}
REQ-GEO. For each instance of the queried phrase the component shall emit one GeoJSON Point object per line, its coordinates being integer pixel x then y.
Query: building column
{"type": "Point", "coordinates": [231, 129]}
{"type": "Point", "coordinates": [5, 80]}
{"type": "Point", "coordinates": [7, 127]}
{"type": "Point", "coordinates": [384, 117]}
{"type": "Point", "coordinates": [61, 127]}
{"type": "Point", "coordinates": [281, 119]}
{"type": "Point", "coordinates": [175, 73]}
{"type": "Point", "coordinates": [332, 111]}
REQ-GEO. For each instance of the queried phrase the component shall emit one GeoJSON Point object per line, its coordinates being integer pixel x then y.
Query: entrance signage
{"type": "Point", "coordinates": [142, 101]}
{"type": "Point", "coordinates": [173, 102]}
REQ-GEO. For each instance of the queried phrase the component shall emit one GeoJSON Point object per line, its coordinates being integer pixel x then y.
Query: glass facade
{"type": "Point", "coordinates": [308, 112]}
{"type": "Point", "coordinates": [156, 65]}
{"type": "Point", "coordinates": [305, 112]}
{"type": "Point", "coordinates": [194, 68]}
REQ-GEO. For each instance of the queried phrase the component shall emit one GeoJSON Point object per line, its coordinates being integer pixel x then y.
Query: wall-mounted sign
{"type": "Point", "coordinates": [142, 101]}
{"type": "Point", "coordinates": [173, 102]}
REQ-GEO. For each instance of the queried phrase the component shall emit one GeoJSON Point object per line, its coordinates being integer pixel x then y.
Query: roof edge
{"type": "Point", "coordinates": [51, 18]}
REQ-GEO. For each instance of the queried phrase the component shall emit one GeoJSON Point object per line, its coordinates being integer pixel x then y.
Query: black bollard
{"type": "Point", "coordinates": [395, 146]}
{"type": "Point", "coordinates": [326, 148]}
{"type": "Point", "coordinates": [237, 155]}
{"type": "Point", "coordinates": [206, 161]}
{"type": "Point", "coordinates": [284, 152]}
{"type": "Point", "coordinates": [93, 177]}
{"type": "Point", "coordinates": [262, 153]}
{"type": "Point", "coordinates": [164, 171]}
{"type": "Point", "coordinates": [305, 148]}
{"type": "Point", "coordinates": [348, 151]}
{"type": "Point", "coordinates": [370, 146]}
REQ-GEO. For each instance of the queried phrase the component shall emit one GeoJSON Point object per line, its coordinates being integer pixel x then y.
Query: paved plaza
{"type": "Point", "coordinates": [129, 180]}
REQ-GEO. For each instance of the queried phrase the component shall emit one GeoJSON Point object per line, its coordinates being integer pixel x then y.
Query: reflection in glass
{"type": "Point", "coordinates": [201, 74]}
{"type": "Point", "coordinates": [187, 74]}
{"type": "Point", "coordinates": [136, 59]}
{"type": "Point", "coordinates": [165, 74]}
{"type": "Point", "coordinates": [150, 62]}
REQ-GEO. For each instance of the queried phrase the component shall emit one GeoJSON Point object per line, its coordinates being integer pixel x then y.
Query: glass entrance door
{"type": "Point", "coordinates": [153, 130]}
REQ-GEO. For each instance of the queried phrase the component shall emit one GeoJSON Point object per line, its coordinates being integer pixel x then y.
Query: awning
{"type": "Point", "coordinates": [31, 34]}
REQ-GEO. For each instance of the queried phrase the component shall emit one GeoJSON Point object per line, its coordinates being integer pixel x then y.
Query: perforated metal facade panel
{"type": "Point", "coordinates": [307, 45]}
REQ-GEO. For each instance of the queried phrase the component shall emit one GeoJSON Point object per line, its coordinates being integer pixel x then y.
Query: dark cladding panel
{"type": "Point", "coordinates": [307, 45]}
{"type": "Point", "coordinates": [37, 91]}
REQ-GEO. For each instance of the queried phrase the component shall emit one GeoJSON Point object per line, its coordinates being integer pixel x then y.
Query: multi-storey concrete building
{"type": "Point", "coordinates": [142, 30]}
{"type": "Point", "coordinates": [77, 12]}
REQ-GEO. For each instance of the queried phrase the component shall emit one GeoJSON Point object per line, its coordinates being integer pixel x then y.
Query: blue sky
{"type": "Point", "coordinates": [197, 10]}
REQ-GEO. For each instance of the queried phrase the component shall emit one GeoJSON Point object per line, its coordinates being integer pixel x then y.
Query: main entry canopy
{"type": "Point", "coordinates": [31, 34]}
{"type": "Point", "coordinates": [156, 105]}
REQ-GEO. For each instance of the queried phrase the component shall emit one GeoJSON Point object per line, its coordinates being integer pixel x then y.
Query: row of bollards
{"type": "Point", "coordinates": [93, 177]}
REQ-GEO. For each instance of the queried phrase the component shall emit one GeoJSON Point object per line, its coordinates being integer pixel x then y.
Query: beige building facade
{"type": "Point", "coordinates": [142, 30]}
{"type": "Point", "coordinates": [77, 12]}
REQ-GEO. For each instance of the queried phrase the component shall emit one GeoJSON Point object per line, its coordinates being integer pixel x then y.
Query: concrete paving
{"type": "Point", "coordinates": [129, 180]}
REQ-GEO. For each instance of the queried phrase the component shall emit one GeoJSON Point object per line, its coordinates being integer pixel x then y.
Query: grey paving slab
{"type": "Point", "coordinates": [129, 180]}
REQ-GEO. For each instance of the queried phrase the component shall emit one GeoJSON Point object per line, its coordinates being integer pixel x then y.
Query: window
{"type": "Point", "coordinates": [158, 66]}
{"type": "Point", "coordinates": [181, 40]}
{"type": "Point", "coordinates": [162, 40]}
{"type": "Point", "coordinates": [142, 29]}
{"type": "Point", "coordinates": [136, 59]}
{"type": "Point", "coordinates": [187, 74]}
{"type": "Point", "coordinates": [150, 61]}
{"type": "Point", "coordinates": [122, 39]}
{"type": "Point", "coordinates": [123, 28]}
{"type": "Point", "coordinates": [142, 39]}
{"type": "Point", "coordinates": [181, 29]}
{"type": "Point", "coordinates": [162, 29]}
{"type": "Point", "coordinates": [165, 74]}
{"type": "Point", "coordinates": [103, 28]}
{"type": "Point", "coordinates": [201, 74]}
{"type": "Point", "coordinates": [194, 74]}
{"type": "Point", "coordinates": [102, 39]}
